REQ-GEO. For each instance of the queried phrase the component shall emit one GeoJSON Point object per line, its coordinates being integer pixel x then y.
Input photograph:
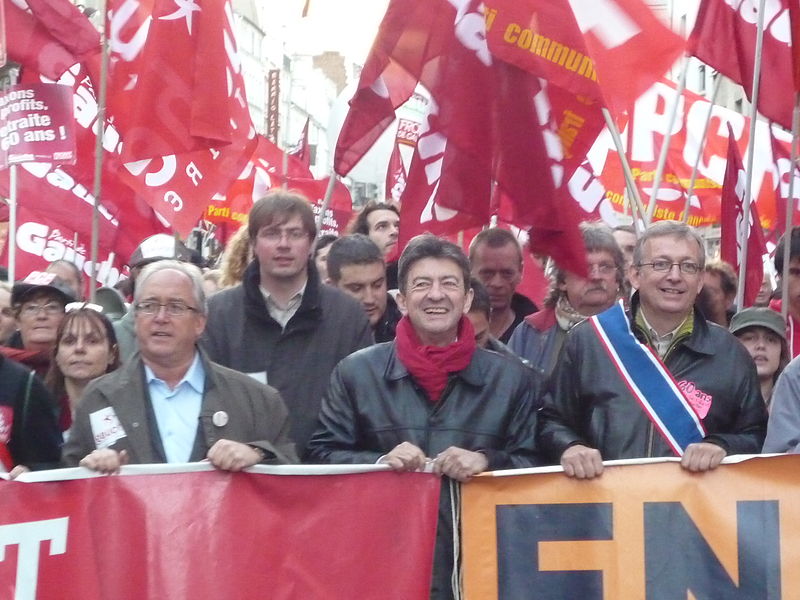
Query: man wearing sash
{"type": "Point", "coordinates": [660, 381]}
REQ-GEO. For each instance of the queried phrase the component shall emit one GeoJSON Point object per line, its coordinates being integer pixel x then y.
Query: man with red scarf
{"type": "Point", "coordinates": [431, 400]}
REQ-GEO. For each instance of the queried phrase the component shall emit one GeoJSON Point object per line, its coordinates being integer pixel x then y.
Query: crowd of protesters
{"type": "Point", "coordinates": [348, 349]}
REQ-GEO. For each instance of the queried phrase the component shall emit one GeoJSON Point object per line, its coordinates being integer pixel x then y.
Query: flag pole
{"type": "Point", "coordinates": [12, 224]}
{"type": "Point", "coordinates": [742, 234]}
{"type": "Point", "coordinates": [662, 157]}
{"type": "Point", "coordinates": [787, 236]}
{"type": "Point", "coordinates": [626, 167]}
{"type": "Point", "coordinates": [332, 178]}
{"type": "Point", "coordinates": [700, 146]}
{"type": "Point", "coordinates": [98, 151]}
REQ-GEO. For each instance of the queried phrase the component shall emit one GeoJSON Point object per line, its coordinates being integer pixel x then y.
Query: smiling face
{"type": "Point", "coordinates": [84, 351]}
{"type": "Point", "coordinates": [435, 299]}
{"type": "Point", "coordinates": [670, 294]}
{"type": "Point", "coordinates": [168, 340]}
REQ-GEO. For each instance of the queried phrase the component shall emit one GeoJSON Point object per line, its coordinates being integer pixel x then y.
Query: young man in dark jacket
{"type": "Point", "coordinates": [282, 325]}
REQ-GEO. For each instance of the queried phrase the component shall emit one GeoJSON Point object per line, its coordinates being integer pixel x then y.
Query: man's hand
{"type": "Point", "coordinates": [702, 456]}
{"type": "Point", "coordinates": [460, 464]}
{"type": "Point", "coordinates": [582, 462]}
{"type": "Point", "coordinates": [105, 460]}
{"type": "Point", "coordinates": [233, 456]}
{"type": "Point", "coordinates": [405, 457]}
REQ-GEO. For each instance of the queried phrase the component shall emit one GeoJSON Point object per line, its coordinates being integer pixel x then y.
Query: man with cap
{"type": "Point", "coordinates": [763, 333]}
{"type": "Point", "coordinates": [160, 246]}
{"type": "Point", "coordinates": [169, 403]}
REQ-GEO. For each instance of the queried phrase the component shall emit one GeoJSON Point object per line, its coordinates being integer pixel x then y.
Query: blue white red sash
{"type": "Point", "coordinates": [648, 380]}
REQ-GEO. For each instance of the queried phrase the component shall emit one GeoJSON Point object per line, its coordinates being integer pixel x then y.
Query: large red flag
{"type": "Point", "coordinates": [176, 94]}
{"type": "Point", "coordinates": [724, 36]}
{"type": "Point", "coordinates": [609, 50]}
{"type": "Point", "coordinates": [733, 192]}
{"type": "Point", "coordinates": [49, 37]}
{"type": "Point", "coordinates": [175, 82]}
{"type": "Point", "coordinates": [483, 123]}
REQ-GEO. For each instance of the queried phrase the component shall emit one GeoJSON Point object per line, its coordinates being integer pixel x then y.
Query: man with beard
{"type": "Point", "coordinates": [540, 337]}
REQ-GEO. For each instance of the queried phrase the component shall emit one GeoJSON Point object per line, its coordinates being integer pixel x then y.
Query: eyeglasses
{"type": "Point", "coordinates": [603, 268]}
{"type": "Point", "coordinates": [276, 234]}
{"type": "Point", "coordinates": [173, 308]}
{"type": "Point", "coordinates": [663, 266]}
{"type": "Point", "coordinates": [49, 309]}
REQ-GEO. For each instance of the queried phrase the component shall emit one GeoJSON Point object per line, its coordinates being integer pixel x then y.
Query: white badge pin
{"type": "Point", "coordinates": [220, 418]}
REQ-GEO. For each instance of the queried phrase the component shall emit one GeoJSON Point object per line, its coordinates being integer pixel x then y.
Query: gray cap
{"type": "Point", "coordinates": [759, 317]}
{"type": "Point", "coordinates": [41, 281]}
{"type": "Point", "coordinates": [160, 246]}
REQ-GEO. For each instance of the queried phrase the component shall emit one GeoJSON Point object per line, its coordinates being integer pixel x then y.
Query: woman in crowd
{"type": "Point", "coordinates": [86, 347]}
{"type": "Point", "coordinates": [763, 333]}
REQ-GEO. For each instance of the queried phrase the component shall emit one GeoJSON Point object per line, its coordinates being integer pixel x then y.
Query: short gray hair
{"type": "Point", "coordinates": [191, 271]}
{"type": "Point", "coordinates": [669, 229]}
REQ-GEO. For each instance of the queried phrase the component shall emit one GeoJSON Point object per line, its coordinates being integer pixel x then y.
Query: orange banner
{"type": "Point", "coordinates": [639, 531]}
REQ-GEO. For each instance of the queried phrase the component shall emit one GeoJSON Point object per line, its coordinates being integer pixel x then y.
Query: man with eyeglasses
{"type": "Point", "coordinates": [572, 298]}
{"type": "Point", "coordinates": [282, 325]}
{"type": "Point", "coordinates": [169, 403]}
{"type": "Point", "coordinates": [658, 381]}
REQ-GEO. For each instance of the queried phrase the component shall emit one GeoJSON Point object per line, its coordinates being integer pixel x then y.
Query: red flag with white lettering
{"type": "Point", "coordinates": [732, 204]}
{"type": "Point", "coordinates": [340, 207]}
{"type": "Point", "coordinates": [724, 36]}
{"type": "Point", "coordinates": [608, 50]}
{"type": "Point", "coordinates": [49, 37]}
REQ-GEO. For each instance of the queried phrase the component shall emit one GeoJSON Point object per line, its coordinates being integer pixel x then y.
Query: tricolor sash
{"type": "Point", "coordinates": [648, 380]}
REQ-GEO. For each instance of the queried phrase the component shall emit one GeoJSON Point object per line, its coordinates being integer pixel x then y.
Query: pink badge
{"type": "Point", "coordinates": [6, 420]}
{"type": "Point", "coordinates": [698, 399]}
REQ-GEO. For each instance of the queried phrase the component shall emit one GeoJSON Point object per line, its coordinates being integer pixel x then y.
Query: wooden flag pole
{"type": "Point", "coordinates": [662, 156]}
{"type": "Point", "coordinates": [630, 184]}
{"type": "Point", "coordinates": [787, 236]}
{"type": "Point", "coordinates": [98, 151]}
{"type": "Point", "coordinates": [742, 234]}
{"type": "Point", "coordinates": [700, 146]}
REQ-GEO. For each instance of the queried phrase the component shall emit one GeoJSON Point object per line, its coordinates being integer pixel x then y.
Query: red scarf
{"type": "Point", "coordinates": [431, 365]}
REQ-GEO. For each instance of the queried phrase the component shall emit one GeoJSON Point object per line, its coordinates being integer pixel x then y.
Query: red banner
{"type": "Point", "coordinates": [219, 535]}
{"type": "Point", "coordinates": [644, 134]}
{"type": "Point", "coordinates": [36, 124]}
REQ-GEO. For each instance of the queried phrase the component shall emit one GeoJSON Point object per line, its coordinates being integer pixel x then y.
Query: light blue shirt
{"type": "Point", "coordinates": [177, 410]}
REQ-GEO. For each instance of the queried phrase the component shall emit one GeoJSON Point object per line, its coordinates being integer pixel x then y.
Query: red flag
{"type": "Point", "coordinates": [175, 82]}
{"type": "Point", "coordinates": [724, 36]}
{"type": "Point", "coordinates": [794, 21]}
{"type": "Point", "coordinates": [733, 191]}
{"type": "Point", "coordinates": [483, 123]}
{"type": "Point", "coordinates": [340, 207]}
{"type": "Point", "coordinates": [608, 50]}
{"type": "Point", "coordinates": [396, 175]}
{"type": "Point", "coordinates": [49, 37]}
{"type": "Point", "coordinates": [302, 152]}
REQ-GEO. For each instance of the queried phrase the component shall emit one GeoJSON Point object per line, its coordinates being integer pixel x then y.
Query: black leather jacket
{"type": "Point", "coordinates": [588, 403]}
{"type": "Point", "coordinates": [373, 404]}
